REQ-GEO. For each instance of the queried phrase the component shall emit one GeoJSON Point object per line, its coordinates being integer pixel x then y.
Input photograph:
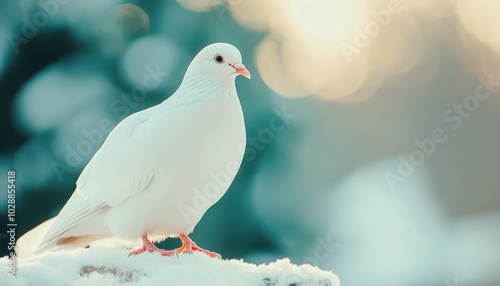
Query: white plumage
{"type": "Point", "coordinates": [160, 169]}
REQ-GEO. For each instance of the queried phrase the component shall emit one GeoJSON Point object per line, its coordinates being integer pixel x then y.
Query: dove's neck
{"type": "Point", "coordinates": [200, 88]}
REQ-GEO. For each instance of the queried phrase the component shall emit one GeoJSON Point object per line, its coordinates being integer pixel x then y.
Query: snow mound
{"type": "Point", "coordinates": [111, 266]}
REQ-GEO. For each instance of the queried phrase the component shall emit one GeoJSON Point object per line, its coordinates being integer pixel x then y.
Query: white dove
{"type": "Point", "coordinates": [160, 169]}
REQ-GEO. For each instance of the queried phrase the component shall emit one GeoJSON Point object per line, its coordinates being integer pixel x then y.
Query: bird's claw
{"type": "Point", "coordinates": [188, 246]}
{"type": "Point", "coordinates": [214, 255]}
{"type": "Point", "coordinates": [150, 247]}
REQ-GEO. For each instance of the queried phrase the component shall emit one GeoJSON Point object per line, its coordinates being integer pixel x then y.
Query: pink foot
{"type": "Point", "coordinates": [148, 246]}
{"type": "Point", "coordinates": [188, 246]}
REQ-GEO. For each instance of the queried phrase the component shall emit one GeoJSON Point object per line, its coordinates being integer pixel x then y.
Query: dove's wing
{"type": "Point", "coordinates": [122, 167]}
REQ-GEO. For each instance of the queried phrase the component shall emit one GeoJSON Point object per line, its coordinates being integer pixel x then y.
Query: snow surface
{"type": "Point", "coordinates": [112, 266]}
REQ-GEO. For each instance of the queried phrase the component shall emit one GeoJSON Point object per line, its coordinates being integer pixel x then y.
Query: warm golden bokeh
{"type": "Point", "coordinates": [342, 50]}
{"type": "Point", "coordinates": [481, 19]}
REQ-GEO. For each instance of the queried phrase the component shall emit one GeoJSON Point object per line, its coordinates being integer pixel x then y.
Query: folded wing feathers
{"type": "Point", "coordinates": [75, 210]}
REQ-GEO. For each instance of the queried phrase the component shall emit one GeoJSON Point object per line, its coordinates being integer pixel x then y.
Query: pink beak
{"type": "Point", "coordinates": [240, 69]}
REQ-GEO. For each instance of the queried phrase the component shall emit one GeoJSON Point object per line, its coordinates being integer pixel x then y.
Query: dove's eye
{"type": "Point", "coordinates": [219, 59]}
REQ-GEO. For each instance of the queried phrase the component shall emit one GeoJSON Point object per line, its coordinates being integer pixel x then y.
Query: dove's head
{"type": "Point", "coordinates": [219, 60]}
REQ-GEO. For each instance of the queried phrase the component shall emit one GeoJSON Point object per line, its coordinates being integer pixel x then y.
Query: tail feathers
{"type": "Point", "coordinates": [29, 243]}
{"type": "Point", "coordinates": [32, 242]}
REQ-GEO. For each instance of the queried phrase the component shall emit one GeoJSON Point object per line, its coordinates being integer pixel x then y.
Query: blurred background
{"type": "Point", "coordinates": [385, 168]}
